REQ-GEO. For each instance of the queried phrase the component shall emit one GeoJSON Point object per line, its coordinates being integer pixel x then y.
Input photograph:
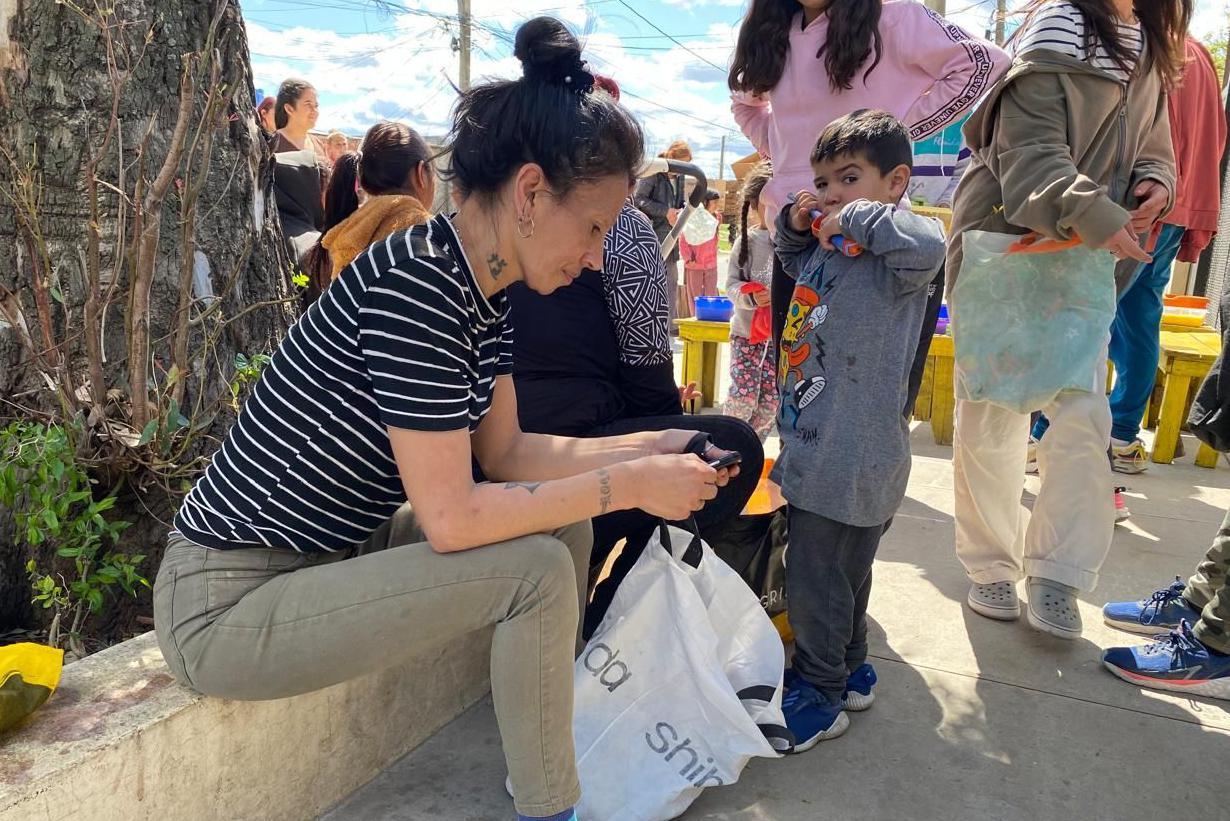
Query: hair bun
{"type": "Point", "coordinates": [550, 54]}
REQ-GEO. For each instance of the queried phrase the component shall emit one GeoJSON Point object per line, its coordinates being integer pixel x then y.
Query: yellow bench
{"type": "Point", "coordinates": [700, 354]}
{"type": "Point", "coordinates": [1186, 358]}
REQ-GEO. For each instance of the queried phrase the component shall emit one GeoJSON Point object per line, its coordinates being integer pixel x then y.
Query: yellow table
{"type": "Point", "coordinates": [936, 400]}
{"type": "Point", "coordinates": [944, 215]}
{"type": "Point", "coordinates": [1186, 358]}
{"type": "Point", "coordinates": [700, 354]}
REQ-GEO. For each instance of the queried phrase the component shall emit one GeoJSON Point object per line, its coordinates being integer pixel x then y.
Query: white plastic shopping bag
{"type": "Point", "coordinates": [678, 688]}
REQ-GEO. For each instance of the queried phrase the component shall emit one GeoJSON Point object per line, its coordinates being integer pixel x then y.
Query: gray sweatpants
{"type": "Point", "coordinates": [264, 624]}
{"type": "Point", "coordinates": [828, 584]}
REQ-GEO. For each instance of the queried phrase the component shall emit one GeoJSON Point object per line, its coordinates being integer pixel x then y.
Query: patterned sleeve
{"type": "Point", "coordinates": [634, 280]}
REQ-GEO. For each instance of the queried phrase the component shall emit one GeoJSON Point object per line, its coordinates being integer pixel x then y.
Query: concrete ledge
{"type": "Point", "coordinates": [121, 740]}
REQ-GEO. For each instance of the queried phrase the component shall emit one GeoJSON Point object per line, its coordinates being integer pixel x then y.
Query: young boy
{"type": "Point", "coordinates": [850, 337]}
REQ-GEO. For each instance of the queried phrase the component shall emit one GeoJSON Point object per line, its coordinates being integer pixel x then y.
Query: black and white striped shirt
{"type": "Point", "coordinates": [404, 338]}
{"type": "Point", "coordinates": [1060, 27]}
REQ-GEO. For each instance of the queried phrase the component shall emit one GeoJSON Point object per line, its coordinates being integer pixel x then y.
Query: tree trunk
{"type": "Point", "coordinates": [139, 247]}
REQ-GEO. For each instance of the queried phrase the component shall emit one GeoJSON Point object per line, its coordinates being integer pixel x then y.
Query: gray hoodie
{"type": "Point", "coordinates": [850, 336]}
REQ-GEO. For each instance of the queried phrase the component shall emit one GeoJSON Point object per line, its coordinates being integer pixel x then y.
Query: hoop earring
{"type": "Point", "coordinates": [520, 220]}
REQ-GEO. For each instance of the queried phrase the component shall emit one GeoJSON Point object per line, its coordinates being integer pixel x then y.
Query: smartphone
{"type": "Point", "coordinates": [732, 458]}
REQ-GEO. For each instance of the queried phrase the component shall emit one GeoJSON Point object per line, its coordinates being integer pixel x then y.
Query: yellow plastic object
{"type": "Point", "coordinates": [29, 674]}
{"type": "Point", "coordinates": [782, 622]}
{"type": "Point", "coordinates": [1186, 317]}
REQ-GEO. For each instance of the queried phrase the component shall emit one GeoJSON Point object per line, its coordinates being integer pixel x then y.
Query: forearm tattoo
{"type": "Point", "coordinates": [530, 486]}
{"type": "Point", "coordinates": [604, 489]}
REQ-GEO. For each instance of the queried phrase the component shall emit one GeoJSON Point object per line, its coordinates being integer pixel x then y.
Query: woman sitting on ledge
{"type": "Point", "coordinates": [339, 530]}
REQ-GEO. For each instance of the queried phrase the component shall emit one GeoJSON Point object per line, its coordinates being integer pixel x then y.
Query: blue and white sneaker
{"type": "Point", "coordinates": [858, 695]}
{"type": "Point", "coordinates": [1148, 617]}
{"type": "Point", "coordinates": [1177, 662]}
{"type": "Point", "coordinates": [810, 716]}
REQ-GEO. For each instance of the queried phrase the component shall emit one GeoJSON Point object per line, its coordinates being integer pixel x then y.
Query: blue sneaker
{"type": "Point", "coordinates": [810, 716]}
{"type": "Point", "coordinates": [1176, 662]}
{"type": "Point", "coordinates": [1161, 611]}
{"type": "Point", "coordinates": [858, 695]}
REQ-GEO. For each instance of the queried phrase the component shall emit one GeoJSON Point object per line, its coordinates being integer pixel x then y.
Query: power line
{"type": "Point", "coordinates": [655, 27]}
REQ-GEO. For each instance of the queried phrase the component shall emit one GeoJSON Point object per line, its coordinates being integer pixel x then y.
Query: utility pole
{"type": "Point", "coordinates": [722, 160]}
{"type": "Point", "coordinates": [1001, 14]}
{"type": "Point", "coordinates": [464, 20]}
{"type": "Point", "coordinates": [938, 6]}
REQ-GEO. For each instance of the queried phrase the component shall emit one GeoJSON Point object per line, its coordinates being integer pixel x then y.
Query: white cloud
{"type": "Point", "coordinates": [403, 70]}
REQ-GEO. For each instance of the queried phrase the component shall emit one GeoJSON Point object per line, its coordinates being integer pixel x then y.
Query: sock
{"type": "Point", "coordinates": [1119, 443]}
{"type": "Point", "coordinates": [569, 814]}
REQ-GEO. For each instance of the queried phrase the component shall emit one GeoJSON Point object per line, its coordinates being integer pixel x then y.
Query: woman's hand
{"type": "Point", "coordinates": [1123, 245]}
{"type": "Point", "coordinates": [1153, 197]}
{"type": "Point", "coordinates": [672, 442]}
{"type": "Point", "coordinates": [800, 213]}
{"type": "Point", "coordinates": [674, 486]}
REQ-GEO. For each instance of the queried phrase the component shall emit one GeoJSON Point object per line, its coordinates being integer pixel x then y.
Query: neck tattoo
{"type": "Point", "coordinates": [496, 264]}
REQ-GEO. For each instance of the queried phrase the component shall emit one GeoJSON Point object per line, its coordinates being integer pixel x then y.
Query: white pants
{"type": "Point", "coordinates": [1069, 534]}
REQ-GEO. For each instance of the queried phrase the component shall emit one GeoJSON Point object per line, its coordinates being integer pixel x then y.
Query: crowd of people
{"type": "Point", "coordinates": [409, 468]}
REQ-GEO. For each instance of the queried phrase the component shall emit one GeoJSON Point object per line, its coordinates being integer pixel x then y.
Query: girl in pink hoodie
{"type": "Point", "coordinates": [800, 64]}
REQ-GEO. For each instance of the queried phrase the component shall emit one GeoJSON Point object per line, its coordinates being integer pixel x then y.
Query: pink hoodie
{"type": "Point", "coordinates": [931, 72]}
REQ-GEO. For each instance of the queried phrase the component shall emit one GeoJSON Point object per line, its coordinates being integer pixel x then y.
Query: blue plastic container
{"type": "Point", "coordinates": [941, 322]}
{"type": "Point", "coordinates": [714, 308]}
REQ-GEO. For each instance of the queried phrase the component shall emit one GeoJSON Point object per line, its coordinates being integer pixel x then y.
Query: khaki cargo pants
{"type": "Point", "coordinates": [265, 624]}
{"type": "Point", "coordinates": [1209, 592]}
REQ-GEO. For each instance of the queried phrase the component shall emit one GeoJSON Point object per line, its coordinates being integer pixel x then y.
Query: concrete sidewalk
{"type": "Point", "coordinates": [974, 719]}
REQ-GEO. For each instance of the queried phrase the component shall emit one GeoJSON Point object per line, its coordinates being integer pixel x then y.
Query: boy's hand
{"type": "Point", "coordinates": [800, 213]}
{"type": "Point", "coordinates": [830, 228]}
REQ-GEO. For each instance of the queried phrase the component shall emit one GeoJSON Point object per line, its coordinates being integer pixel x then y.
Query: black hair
{"type": "Point", "coordinates": [389, 155]}
{"type": "Point", "coordinates": [288, 94]}
{"type": "Point", "coordinates": [711, 195]}
{"type": "Point", "coordinates": [853, 36]}
{"type": "Point", "coordinates": [753, 185]}
{"type": "Point", "coordinates": [876, 136]}
{"type": "Point", "coordinates": [1164, 26]}
{"type": "Point", "coordinates": [551, 116]}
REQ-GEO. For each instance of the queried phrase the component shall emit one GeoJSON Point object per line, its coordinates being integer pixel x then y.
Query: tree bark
{"type": "Point", "coordinates": [132, 127]}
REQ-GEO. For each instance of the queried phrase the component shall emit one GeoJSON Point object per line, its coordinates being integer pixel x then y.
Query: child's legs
{"type": "Point", "coordinates": [744, 389]}
{"type": "Point", "coordinates": [856, 650]}
{"type": "Point", "coordinates": [709, 282]}
{"type": "Point", "coordinates": [826, 567]}
{"type": "Point", "coordinates": [1134, 344]}
{"type": "Point", "coordinates": [766, 408]}
{"type": "Point", "coordinates": [1073, 517]}
{"type": "Point", "coordinates": [262, 624]}
{"type": "Point", "coordinates": [988, 460]}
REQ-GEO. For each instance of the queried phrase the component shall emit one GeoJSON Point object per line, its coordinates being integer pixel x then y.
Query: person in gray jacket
{"type": "Point", "coordinates": [849, 340]}
{"type": "Point", "coordinates": [660, 198]}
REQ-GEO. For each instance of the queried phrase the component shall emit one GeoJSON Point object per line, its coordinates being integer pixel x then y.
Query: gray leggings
{"type": "Point", "coordinates": [264, 624]}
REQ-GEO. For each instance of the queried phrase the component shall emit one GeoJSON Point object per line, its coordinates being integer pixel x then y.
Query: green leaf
{"type": "Point", "coordinates": [105, 503]}
{"type": "Point", "coordinates": [300, 279]}
{"type": "Point", "coordinates": [57, 294]}
{"type": "Point", "coordinates": [49, 516]}
{"type": "Point", "coordinates": [95, 600]}
{"type": "Point", "coordinates": [69, 552]}
{"type": "Point", "coordinates": [147, 434]}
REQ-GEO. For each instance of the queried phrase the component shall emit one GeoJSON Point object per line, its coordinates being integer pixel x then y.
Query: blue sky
{"type": "Point", "coordinates": [393, 59]}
